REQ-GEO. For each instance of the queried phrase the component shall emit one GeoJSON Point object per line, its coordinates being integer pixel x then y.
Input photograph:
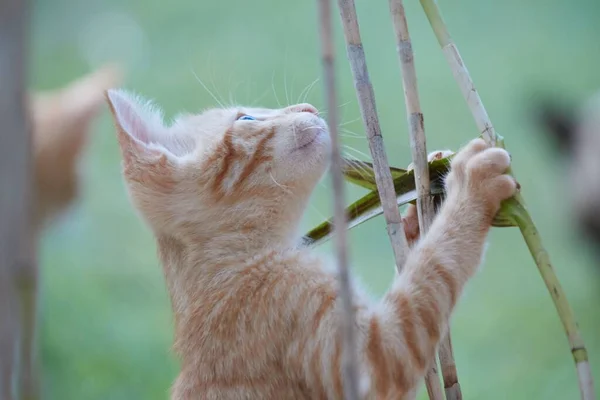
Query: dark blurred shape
{"type": "Point", "coordinates": [559, 124]}
{"type": "Point", "coordinates": [590, 225]}
{"type": "Point", "coordinates": [575, 135]}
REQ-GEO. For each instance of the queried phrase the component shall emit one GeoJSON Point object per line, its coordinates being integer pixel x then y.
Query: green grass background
{"type": "Point", "coordinates": [106, 325]}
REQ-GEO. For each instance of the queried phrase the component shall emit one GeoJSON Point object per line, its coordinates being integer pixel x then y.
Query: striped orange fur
{"type": "Point", "coordinates": [257, 317]}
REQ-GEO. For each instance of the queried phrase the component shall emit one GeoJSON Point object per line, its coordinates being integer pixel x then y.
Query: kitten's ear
{"type": "Point", "coordinates": [139, 125]}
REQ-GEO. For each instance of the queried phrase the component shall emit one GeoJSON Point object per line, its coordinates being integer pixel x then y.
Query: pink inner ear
{"type": "Point", "coordinates": [130, 116]}
{"type": "Point", "coordinates": [144, 124]}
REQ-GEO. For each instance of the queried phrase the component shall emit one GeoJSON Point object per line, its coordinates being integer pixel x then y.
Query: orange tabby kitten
{"type": "Point", "coordinates": [61, 121]}
{"type": "Point", "coordinates": [256, 316]}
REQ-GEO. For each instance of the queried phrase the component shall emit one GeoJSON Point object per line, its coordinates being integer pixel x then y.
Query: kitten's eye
{"type": "Point", "coordinates": [246, 118]}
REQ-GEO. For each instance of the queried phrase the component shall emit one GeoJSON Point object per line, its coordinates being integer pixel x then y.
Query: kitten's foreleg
{"type": "Point", "coordinates": [399, 337]}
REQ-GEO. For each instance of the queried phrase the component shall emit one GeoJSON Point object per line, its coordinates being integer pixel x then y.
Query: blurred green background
{"type": "Point", "coordinates": [106, 324]}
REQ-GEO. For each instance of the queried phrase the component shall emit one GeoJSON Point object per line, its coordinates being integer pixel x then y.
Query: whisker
{"type": "Point", "coordinates": [352, 133]}
{"type": "Point", "coordinates": [356, 151]}
{"type": "Point", "coordinates": [292, 88]}
{"type": "Point", "coordinates": [360, 166]}
{"type": "Point", "coordinates": [305, 128]}
{"type": "Point", "coordinates": [259, 98]}
{"type": "Point", "coordinates": [295, 134]}
{"type": "Point", "coordinates": [350, 122]}
{"type": "Point", "coordinates": [312, 85]}
{"type": "Point", "coordinates": [229, 85]}
{"type": "Point", "coordinates": [232, 97]}
{"type": "Point", "coordinates": [274, 91]}
{"type": "Point", "coordinates": [287, 97]}
{"type": "Point", "coordinates": [340, 106]}
{"type": "Point", "coordinates": [207, 89]}
{"type": "Point", "coordinates": [282, 187]}
{"type": "Point", "coordinates": [305, 91]}
{"type": "Point", "coordinates": [350, 136]}
{"type": "Point", "coordinates": [212, 82]}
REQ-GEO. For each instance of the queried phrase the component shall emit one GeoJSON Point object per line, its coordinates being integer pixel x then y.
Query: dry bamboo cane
{"type": "Point", "coordinates": [349, 363]}
{"type": "Point", "coordinates": [425, 209]}
{"type": "Point", "coordinates": [516, 206]}
{"type": "Point", "coordinates": [368, 110]}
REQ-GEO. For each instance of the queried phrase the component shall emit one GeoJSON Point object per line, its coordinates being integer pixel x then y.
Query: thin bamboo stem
{"type": "Point", "coordinates": [460, 72]}
{"type": "Point", "coordinates": [542, 259]}
{"type": "Point", "coordinates": [415, 118]}
{"type": "Point", "coordinates": [416, 126]}
{"type": "Point", "coordinates": [349, 363]}
{"type": "Point", "coordinates": [515, 207]}
{"type": "Point", "coordinates": [368, 109]}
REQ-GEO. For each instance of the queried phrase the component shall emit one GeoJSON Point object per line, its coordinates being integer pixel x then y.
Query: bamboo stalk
{"type": "Point", "coordinates": [349, 361]}
{"type": "Point", "coordinates": [460, 72]}
{"type": "Point", "coordinates": [565, 312]}
{"type": "Point", "coordinates": [368, 110]}
{"type": "Point", "coordinates": [418, 146]}
{"type": "Point", "coordinates": [515, 206]}
{"type": "Point", "coordinates": [18, 272]}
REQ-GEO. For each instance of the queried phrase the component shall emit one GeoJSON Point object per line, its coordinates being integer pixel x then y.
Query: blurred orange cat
{"type": "Point", "coordinates": [61, 120]}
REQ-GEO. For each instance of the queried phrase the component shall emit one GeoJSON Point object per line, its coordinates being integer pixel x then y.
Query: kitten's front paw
{"type": "Point", "coordinates": [479, 172]}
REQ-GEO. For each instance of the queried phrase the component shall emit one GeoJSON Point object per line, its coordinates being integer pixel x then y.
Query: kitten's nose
{"type": "Point", "coordinates": [303, 107]}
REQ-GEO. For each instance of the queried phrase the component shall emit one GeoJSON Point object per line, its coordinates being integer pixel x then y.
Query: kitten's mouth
{"type": "Point", "coordinates": [309, 137]}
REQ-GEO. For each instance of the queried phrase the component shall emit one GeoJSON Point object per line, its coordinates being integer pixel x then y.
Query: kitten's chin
{"type": "Point", "coordinates": [310, 138]}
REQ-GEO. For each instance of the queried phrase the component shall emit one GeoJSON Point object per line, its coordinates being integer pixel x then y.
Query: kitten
{"type": "Point", "coordinates": [256, 317]}
{"type": "Point", "coordinates": [61, 121]}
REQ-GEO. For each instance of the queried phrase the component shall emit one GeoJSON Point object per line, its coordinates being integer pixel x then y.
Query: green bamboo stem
{"type": "Point", "coordinates": [460, 72]}
{"type": "Point", "coordinates": [515, 207]}
{"type": "Point", "coordinates": [565, 312]}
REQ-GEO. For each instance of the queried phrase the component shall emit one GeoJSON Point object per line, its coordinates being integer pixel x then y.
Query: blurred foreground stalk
{"type": "Point", "coordinates": [18, 272]}
{"type": "Point", "coordinates": [349, 357]}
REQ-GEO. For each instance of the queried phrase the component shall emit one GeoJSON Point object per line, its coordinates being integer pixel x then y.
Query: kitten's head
{"type": "Point", "coordinates": [224, 171]}
{"type": "Point", "coordinates": [61, 121]}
